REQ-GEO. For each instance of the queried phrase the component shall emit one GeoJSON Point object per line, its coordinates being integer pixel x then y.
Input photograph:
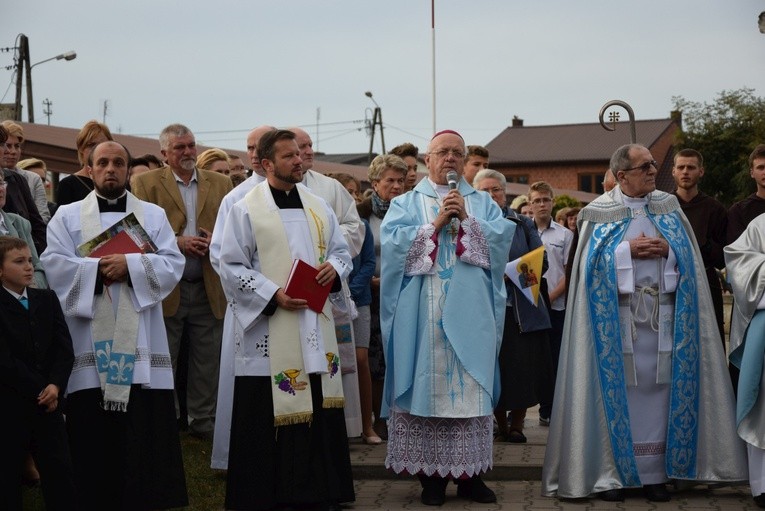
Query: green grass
{"type": "Point", "coordinates": [206, 487]}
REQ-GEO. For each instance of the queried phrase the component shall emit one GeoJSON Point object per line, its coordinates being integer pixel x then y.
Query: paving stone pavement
{"type": "Point", "coordinates": [515, 479]}
{"type": "Point", "coordinates": [525, 495]}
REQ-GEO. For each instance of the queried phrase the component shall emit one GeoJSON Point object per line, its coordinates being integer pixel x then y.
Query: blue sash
{"type": "Point", "coordinates": [602, 292]}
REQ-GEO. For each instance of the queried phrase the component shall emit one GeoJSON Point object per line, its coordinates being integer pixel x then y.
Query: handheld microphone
{"type": "Point", "coordinates": [451, 179]}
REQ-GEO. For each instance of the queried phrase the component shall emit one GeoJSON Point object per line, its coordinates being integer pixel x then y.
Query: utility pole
{"type": "Point", "coordinates": [376, 120]}
{"type": "Point", "coordinates": [28, 69]}
{"type": "Point", "coordinates": [106, 107]}
{"type": "Point", "coordinates": [23, 62]}
{"type": "Point", "coordinates": [23, 65]}
{"type": "Point", "coordinates": [47, 112]}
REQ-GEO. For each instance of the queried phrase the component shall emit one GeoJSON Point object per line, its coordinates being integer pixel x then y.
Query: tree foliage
{"type": "Point", "coordinates": [725, 132]}
{"type": "Point", "coordinates": [564, 201]}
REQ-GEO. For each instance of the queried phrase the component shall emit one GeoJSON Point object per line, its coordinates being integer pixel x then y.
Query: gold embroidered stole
{"type": "Point", "coordinates": [290, 386]}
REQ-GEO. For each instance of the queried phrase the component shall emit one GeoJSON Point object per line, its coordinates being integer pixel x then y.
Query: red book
{"type": "Point", "coordinates": [302, 284]}
{"type": "Point", "coordinates": [121, 243]}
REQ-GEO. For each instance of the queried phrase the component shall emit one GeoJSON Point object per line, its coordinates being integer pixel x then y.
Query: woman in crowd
{"type": "Point", "coordinates": [360, 281]}
{"type": "Point", "coordinates": [387, 173]}
{"type": "Point", "coordinates": [215, 160]}
{"type": "Point", "coordinates": [350, 183]}
{"type": "Point", "coordinates": [571, 216]}
{"type": "Point", "coordinates": [525, 362]}
{"type": "Point", "coordinates": [41, 169]}
{"type": "Point", "coordinates": [77, 186]}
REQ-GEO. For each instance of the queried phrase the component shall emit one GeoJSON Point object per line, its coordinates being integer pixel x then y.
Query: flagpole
{"type": "Point", "coordinates": [433, 56]}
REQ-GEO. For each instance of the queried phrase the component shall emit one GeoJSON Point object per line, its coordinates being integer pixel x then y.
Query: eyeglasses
{"type": "Point", "coordinates": [645, 167]}
{"type": "Point", "coordinates": [3, 183]}
{"type": "Point", "coordinates": [494, 190]}
{"type": "Point", "coordinates": [11, 147]}
{"type": "Point", "coordinates": [541, 200]}
{"type": "Point", "coordinates": [443, 153]}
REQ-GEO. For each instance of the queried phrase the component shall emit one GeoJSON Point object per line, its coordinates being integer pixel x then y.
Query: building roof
{"type": "Point", "coordinates": [566, 143]}
{"type": "Point", "coordinates": [347, 158]}
{"type": "Point", "coordinates": [56, 146]}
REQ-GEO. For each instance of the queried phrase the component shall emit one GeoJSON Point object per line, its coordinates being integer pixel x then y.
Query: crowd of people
{"type": "Point", "coordinates": [148, 296]}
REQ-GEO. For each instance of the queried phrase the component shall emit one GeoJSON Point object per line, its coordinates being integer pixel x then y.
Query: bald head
{"type": "Point", "coordinates": [253, 137]}
{"type": "Point", "coordinates": [305, 144]}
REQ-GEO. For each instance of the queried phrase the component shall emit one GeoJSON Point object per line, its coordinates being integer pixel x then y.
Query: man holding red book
{"type": "Point", "coordinates": [288, 437]}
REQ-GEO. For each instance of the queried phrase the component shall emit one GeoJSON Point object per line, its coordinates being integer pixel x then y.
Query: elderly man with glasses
{"type": "Point", "coordinates": [643, 394]}
{"type": "Point", "coordinates": [442, 307]}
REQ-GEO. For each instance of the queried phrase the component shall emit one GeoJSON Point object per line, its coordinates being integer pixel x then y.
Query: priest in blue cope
{"type": "Point", "coordinates": [643, 395]}
{"type": "Point", "coordinates": [444, 248]}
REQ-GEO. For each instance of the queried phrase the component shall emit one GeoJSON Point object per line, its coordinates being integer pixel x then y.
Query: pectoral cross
{"type": "Point", "coordinates": [454, 227]}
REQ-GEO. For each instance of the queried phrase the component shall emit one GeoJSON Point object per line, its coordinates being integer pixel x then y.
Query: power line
{"type": "Point", "coordinates": [338, 133]}
{"type": "Point", "coordinates": [9, 88]}
{"type": "Point", "coordinates": [247, 130]}
{"type": "Point", "coordinates": [389, 126]}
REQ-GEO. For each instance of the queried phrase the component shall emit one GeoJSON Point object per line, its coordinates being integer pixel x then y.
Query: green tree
{"type": "Point", "coordinates": [564, 201]}
{"type": "Point", "coordinates": [725, 132]}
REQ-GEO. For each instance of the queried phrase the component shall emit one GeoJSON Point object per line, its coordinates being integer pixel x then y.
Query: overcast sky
{"type": "Point", "coordinates": [222, 67]}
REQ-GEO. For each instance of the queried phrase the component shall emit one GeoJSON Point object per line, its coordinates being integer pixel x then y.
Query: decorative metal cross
{"type": "Point", "coordinates": [614, 117]}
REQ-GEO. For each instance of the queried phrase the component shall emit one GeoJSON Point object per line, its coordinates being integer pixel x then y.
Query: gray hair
{"type": "Point", "coordinates": [620, 160]}
{"type": "Point", "coordinates": [384, 162]}
{"type": "Point", "coordinates": [174, 130]}
{"type": "Point", "coordinates": [489, 174]}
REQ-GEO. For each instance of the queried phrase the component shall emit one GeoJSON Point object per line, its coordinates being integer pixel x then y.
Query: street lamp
{"type": "Point", "coordinates": [70, 55]}
{"type": "Point", "coordinates": [24, 65]}
{"type": "Point", "coordinates": [376, 119]}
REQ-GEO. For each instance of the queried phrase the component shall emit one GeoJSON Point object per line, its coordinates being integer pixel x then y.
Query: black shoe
{"type": "Point", "coordinates": [476, 490]}
{"type": "Point", "coordinates": [760, 500]}
{"type": "Point", "coordinates": [516, 437]}
{"type": "Point", "coordinates": [433, 490]}
{"type": "Point", "coordinates": [615, 495]}
{"type": "Point", "coordinates": [656, 492]}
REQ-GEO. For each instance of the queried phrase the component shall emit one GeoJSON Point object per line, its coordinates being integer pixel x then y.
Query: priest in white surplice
{"type": "Point", "coordinates": [222, 436]}
{"type": "Point", "coordinates": [288, 438]}
{"type": "Point", "coordinates": [745, 263]}
{"type": "Point", "coordinates": [344, 208]}
{"type": "Point", "coordinates": [120, 410]}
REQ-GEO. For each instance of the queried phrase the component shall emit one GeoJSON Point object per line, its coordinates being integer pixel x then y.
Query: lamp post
{"type": "Point", "coordinates": [376, 119]}
{"type": "Point", "coordinates": [70, 55]}
{"type": "Point", "coordinates": [24, 66]}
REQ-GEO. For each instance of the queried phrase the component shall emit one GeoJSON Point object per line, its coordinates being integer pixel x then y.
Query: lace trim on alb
{"type": "Point", "coordinates": [476, 247]}
{"type": "Point", "coordinates": [434, 445]}
{"type": "Point", "coordinates": [418, 259]}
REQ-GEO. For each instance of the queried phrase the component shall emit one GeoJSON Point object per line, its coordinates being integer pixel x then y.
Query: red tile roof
{"type": "Point", "coordinates": [569, 142]}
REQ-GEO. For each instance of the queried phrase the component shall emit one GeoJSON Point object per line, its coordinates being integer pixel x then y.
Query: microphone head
{"type": "Point", "coordinates": [451, 179]}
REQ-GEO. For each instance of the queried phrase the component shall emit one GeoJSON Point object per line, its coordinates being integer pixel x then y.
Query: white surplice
{"type": "Point", "coordinates": [152, 276]}
{"type": "Point", "coordinates": [222, 433]}
{"type": "Point", "coordinates": [344, 207]}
